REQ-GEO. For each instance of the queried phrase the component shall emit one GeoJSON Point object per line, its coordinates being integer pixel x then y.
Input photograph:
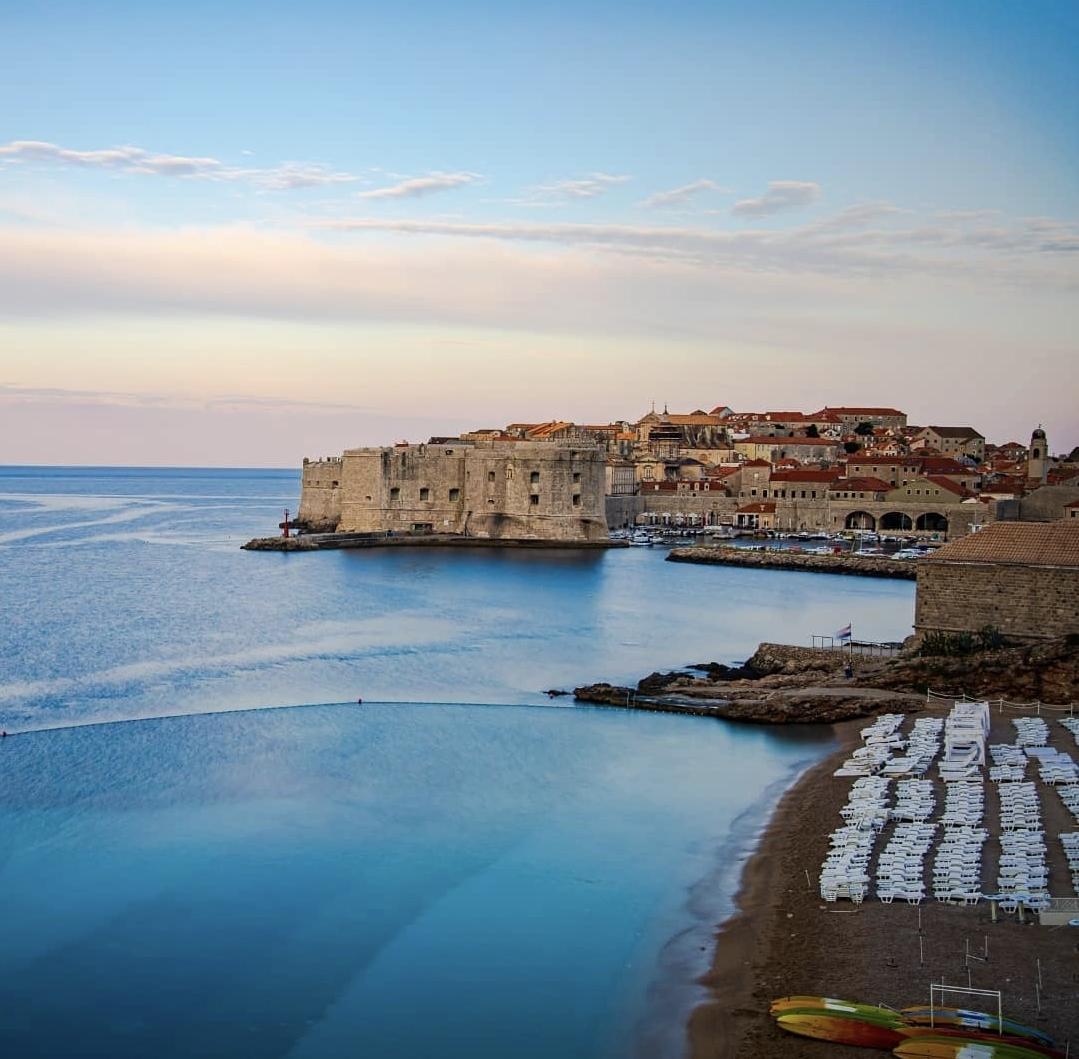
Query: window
{"type": "Point", "coordinates": [576, 499]}
{"type": "Point", "coordinates": [534, 477]}
{"type": "Point", "coordinates": [576, 477]}
{"type": "Point", "coordinates": [425, 493]}
{"type": "Point", "coordinates": [534, 499]}
{"type": "Point", "coordinates": [455, 495]}
{"type": "Point", "coordinates": [395, 493]}
{"type": "Point", "coordinates": [490, 476]}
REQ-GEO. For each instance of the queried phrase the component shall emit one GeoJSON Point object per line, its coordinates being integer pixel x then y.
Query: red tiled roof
{"type": "Point", "coordinates": [947, 484]}
{"type": "Point", "coordinates": [1025, 543]}
{"type": "Point", "coordinates": [859, 411]}
{"type": "Point", "coordinates": [956, 432]}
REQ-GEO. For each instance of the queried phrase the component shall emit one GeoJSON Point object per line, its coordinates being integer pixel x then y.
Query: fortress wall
{"type": "Point", "coordinates": [1024, 602]}
{"type": "Point", "coordinates": [402, 489]}
{"type": "Point", "coordinates": [566, 482]}
{"type": "Point", "coordinates": [320, 494]}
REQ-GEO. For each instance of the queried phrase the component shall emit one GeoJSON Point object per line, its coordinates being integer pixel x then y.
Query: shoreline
{"type": "Point", "coordinates": [716, 1025]}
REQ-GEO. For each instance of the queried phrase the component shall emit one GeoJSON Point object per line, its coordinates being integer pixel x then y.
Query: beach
{"type": "Point", "coordinates": [784, 940]}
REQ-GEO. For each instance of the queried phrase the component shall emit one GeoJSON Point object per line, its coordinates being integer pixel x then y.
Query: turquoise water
{"type": "Point", "coordinates": [404, 878]}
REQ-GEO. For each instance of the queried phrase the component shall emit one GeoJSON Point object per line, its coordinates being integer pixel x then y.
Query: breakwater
{"type": "Point", "coordinates": [859, 565]}
{"type": "Point", "coordinates": [310, 542]}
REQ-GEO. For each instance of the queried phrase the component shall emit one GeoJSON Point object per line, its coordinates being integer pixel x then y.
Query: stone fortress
{"type": "Point", "coordinates": [493, 490]}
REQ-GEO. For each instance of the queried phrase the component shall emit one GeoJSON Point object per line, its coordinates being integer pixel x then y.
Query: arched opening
{"type": "Point", "coordinates": [932, 522]}
{"type": "Point", "coordinates": [861, 520]}
{"type": "Point", "coordinates": [896, 520]}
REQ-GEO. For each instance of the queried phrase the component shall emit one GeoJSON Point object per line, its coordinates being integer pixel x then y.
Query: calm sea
{"type": "Point", "coordinates": [459, 867]}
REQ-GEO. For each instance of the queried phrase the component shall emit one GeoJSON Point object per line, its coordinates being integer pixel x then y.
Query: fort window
{"type": "Point", "coordinates": [333, 485]}
{"type": "Point", "coordinates": [534, 477]}
{"type": "Point", "coordinates": [449, 452]}
{"type": "Point", "coordinates": [395, 493]}
{"type": "Point", "coordinates": [455, 495]}
{"type": "Point", "coordinates": [576, 499]}
{"type": "Point", "coordinates": [425, 493]}
{"type": "Point", "coordinates": [576, 476]}
{"type": "Point", "coordinates": [490, 476]}
{"type": "Point", "coordinates": [534, 499]}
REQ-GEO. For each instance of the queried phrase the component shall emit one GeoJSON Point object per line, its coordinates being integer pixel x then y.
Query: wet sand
{"type": "Point", "coordinates": [783, 939]}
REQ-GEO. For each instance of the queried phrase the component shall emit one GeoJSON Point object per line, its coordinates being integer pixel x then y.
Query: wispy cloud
{"type": "Point", "coordinates": [587, 187]}
{"type": "Point", "coordinates": [781, 195]}
{"type": "Point", "coordinates": [127, 159]}
{"type": "Point", "coordinates": [417, 187]}
{"type": "Point", "coordinates": [676, 196]}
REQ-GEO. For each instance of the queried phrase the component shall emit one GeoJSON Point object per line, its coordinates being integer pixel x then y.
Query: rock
{"type": "Point", "coordinates": [862, 566]}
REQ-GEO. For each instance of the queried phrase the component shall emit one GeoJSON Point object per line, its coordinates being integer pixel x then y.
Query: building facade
{"type": "Point", "coordinates": [1020, 578]}
{"type": "Point", "coordinates": [495, 490]}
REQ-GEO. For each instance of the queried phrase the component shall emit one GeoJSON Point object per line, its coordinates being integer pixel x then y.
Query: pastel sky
{"type": "Point", "coordinates": [239, 233]}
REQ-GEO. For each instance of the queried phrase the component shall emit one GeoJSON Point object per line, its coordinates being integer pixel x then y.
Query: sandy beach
{"type": "Point", "coordinates": [783, 939]}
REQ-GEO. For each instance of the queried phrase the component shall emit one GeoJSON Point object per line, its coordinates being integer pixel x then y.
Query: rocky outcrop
{"type": "Point", "coordinates": [782, 684]}
{"type": "Point", "coordinates": [280, 544]}
{"type": "Point", "coordinates": [859, 565]}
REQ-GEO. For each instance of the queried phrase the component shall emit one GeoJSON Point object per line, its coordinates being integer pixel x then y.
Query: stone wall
{"type": "Point", "coordinates": [797, 514]}
{"type": "Point", "coordinates": [1026, 603]}
{"type": "Point", "coordinates": [320, 495]}
{"type": "Point", "coordinates": [496, 490]}
{"type": "Point", "coordinates": [1046, 504]}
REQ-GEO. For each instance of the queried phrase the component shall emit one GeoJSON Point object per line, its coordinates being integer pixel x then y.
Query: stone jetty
{"type": "Point", "coordinates": [785, 559]}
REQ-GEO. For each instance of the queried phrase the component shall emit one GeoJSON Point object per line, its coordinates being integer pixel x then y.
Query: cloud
{"type": "Point", "coordinates": [678, 195]}
{"type": "Point", "coordinates": [417, 187]}
{"type": "Point", "coordinates": [287, 176]}
{"type": "Point", "coordinates": [781, 195]}
{"type": "Point", "coordinates": [587, 187]}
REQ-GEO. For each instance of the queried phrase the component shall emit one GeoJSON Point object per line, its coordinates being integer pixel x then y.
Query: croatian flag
{"type": "Point", "coordinates": [844, 633]}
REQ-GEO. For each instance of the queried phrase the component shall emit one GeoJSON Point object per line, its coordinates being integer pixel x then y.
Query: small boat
{"type": "Point", "coordinates": [967, 1035]}
{"type": "Point", "coordinates": [841, 1029]}
{"type": "Point", "coordinates": [981, 1020]}
{"type": "Point", "coordinates": [830, 1005]}
{"type": "Point", "coordinates": [960, 1048]}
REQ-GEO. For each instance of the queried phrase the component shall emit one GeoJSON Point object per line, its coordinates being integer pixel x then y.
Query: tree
{"type": "Point", "coordinates": [812, 431]}
{"type": "Point", "coordinates": [851, 447]}
{"type": "Point", "coordinates": [864, 430]}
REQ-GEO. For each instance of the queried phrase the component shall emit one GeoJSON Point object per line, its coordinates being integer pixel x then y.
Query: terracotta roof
{"type": "Point", "coordinates": [947, 484]}
{"type": "Point", "coordinates": [860, 411]}
{"type": "Point", "coordinates": [766, 508]}
{"type": "Point", "coordinates": [955, 432]}
{"type": "Point", "coordinates": [756, 463]}
{"type": "Point", "coordinates": [1074, 503]}
{"type": "Point", "coordinates": [861, 459]}
{"type": "Point", "coordinates": [943, 465]}
{"type": "Point", "coordinates": [1026, 543]}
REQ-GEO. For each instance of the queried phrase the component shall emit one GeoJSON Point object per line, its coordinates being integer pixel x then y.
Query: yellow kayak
{"type": "Point", "coordinates": [957, 1048]}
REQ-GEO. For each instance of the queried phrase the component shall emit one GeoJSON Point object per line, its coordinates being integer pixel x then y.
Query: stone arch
{"type": "Point", "coordinates": [896, 520]}
{"type": "Point", "coordinates": [861, 520]}
{"type": "Point", "coordinates": [932, 522]}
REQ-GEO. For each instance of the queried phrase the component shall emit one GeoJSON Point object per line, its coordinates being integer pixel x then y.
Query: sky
{"type": "Point", "coordinates": [236, 234]}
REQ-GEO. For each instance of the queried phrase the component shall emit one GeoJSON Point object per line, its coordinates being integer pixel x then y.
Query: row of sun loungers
{"type": "Point", "coordinates": [1022, 874]}
{"type": "Point", "coordinates": [1054, 766]}
{"type": "Point", "coordinates": [845, 872]}
{"type": "Point", "coordinates": [900, 871]}
{"type": "Point", "coordinates": [915, 801]}
{"type": "Point", "coordinates": [1031, 731]}
{"type": "Point", "coordinates": [957, 868]}
{"type": "Point", "coordinates": [1069, 795]}
{"type": "Point", "coordinates": [1072, 724]}
{"type": "Point", "coordinates": [1070, 842]}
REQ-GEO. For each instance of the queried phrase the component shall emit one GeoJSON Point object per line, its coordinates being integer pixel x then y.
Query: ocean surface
{"type": "Point", "coordinates": [460, 866]}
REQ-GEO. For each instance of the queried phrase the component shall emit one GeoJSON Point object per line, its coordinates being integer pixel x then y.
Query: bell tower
{"type": "Point", "coordinates": [1038, 456]}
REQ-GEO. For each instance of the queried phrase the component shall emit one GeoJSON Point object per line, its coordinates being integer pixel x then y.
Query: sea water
{"type": "Point", "coordinates": [408, 877]}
